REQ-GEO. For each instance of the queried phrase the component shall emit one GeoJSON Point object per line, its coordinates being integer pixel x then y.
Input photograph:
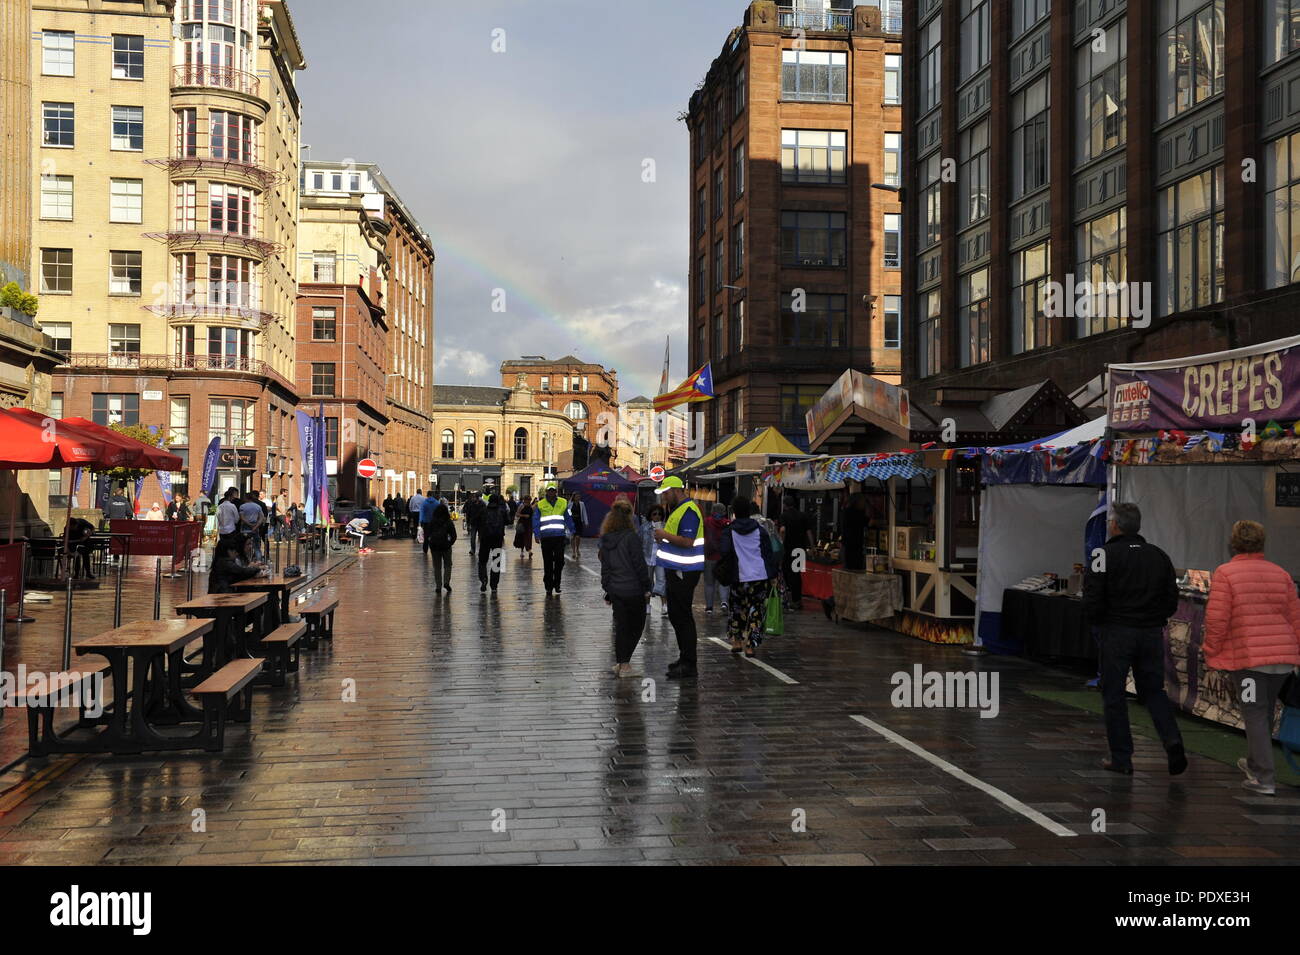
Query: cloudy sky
{"type": "Point", "coordinates": [525, 166]}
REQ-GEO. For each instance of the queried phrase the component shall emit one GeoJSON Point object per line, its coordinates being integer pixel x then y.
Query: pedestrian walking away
{"type": "Point", "coordinates": [1252, 630]}
{"type": "Point", "coordinates": [795, 527]}
{"type": "Point", "coordinates": [524, 528]}
{"type": "Point", "coordinates": [413, 512]}
{"type": "Point", "coordinates": [552, 526]}
{"type": "Point", "coordinates": [749, 565]}
{"type": "Point", "coordinates": [578, 515]}
{"type": "Point", "coordinates": [492, 523]}
{"type": "Point", "coordinates": [625, 580]}
{"type": "Point", "coordinates": [439, 536]}
{"type": "Point", "coordinates": [714, 526]}
{"type": "Point", "coordinates": [228, 518]}
{"type": "Point", "coordinates": [1130, 598]}
{"type": "Point", "coordinates": [681, 555]}
{"type": "Point", "coordinates": [252, 519]}
{"type": "Point", "coordinates": [473, 511]}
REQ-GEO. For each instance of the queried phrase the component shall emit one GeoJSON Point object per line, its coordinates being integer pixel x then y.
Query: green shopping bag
{"type": "Point", "coordinates": [774, 621]}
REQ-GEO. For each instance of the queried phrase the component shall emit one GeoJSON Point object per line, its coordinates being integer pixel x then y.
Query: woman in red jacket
{"type": "Point", "coordinates": [1252, 630]}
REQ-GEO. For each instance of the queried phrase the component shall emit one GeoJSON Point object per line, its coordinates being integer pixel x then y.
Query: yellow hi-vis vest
{"type": "Point", "coordinates": [552, 520]}
{"type": "Point", "coordinates": [682, 558]}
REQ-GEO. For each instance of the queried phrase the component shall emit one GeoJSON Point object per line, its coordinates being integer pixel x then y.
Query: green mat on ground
{"type": "Point", "coordinates": [1220, 743]}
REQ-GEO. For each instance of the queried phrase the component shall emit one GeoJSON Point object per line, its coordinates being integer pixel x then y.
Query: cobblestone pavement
{"type": "Point", "coordinates": [488, 730]}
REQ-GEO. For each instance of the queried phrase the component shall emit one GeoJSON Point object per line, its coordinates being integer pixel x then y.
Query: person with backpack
{"type": "Point", "coordinates": [492, 522]}
{"type": "Point", "coordinates": [439, 536]}
{"type": "Point", "coordinates": [625, 579]}
{"type": "Point", "coordinates": [473, 510]}
{"type": "Point", "coordinates": [714, 526]}
{"type": "Point", "coordinates": [749, 567]}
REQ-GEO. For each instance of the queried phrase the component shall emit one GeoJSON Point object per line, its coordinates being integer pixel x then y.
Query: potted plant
{"type": "Point", "coordinates": [17, 304]}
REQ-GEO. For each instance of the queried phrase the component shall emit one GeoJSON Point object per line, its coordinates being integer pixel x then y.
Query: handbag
{"type": "Point", "coordinates": [293, 570]}
{"type": "Point", "coordinates": [774, 620]}
{"type": "Point", "coordinates": [419, 535]}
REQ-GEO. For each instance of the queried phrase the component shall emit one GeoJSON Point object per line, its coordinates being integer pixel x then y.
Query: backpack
{"type": "Point", "coordinates": [492, 523]}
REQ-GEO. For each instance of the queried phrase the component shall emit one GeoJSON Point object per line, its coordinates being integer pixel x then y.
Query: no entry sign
{"type": "Point", "coordinates": [367, 468]}
{"type": "Point", "coordinates": [657, 473]}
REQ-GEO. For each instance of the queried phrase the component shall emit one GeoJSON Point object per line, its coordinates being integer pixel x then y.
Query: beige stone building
{"type": "Point", "coordinates": [165, 177]}
{"type": "Point", "coordinates": [646, 439]}
{"type": "Point", "coordinates": [502, 435]}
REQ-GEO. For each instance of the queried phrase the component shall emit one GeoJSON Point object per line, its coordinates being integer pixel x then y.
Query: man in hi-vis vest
{"type": "Point", "coordinates": [553, 527]}
{"type": "Point", "coordinates": [681, 554]}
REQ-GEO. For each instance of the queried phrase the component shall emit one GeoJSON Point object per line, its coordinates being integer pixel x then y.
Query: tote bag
{"type": "Point", "coordinates": [774, 620]}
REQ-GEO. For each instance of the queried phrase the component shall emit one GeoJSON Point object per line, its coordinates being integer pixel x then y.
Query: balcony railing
{"type": "Point", "coordinates": [891, 14]}
{"type": "Point", "coordinates": [185, 239]}
{"type": "Point", "coordinates": [790, 18]}
{"type": "Point", "coordinates": [181, 313]}
{"type": "Point", "coordinates": [210, 167]}
{"type": "Point", "coordinates": [216, 77]}
{"type": "Point", "coordinates": [164, 363]}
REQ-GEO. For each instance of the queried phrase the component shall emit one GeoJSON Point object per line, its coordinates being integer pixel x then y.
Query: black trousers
{"type": "Point", "coordinates": [793, 582]}
{"type": "Point", "coordinates": [485, 550]}
{"type": "Point", "coordinates": [629, 621]}
{"type": "Point", "coordinates": [1143, 651]}
{"type": "Point", "coordinates": [681, 595]}
{"type": "Point", "coordinates": [553, 561]}
{"type": "Point", "coordinates": [441, 567]}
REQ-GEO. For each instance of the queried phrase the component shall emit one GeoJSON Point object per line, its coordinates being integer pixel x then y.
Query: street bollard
{"type": "Point", "coordinates": [157, 589]}
{"type": "Point", "coordinates": [67, 626]}
{"type": "Point", "coordinates": [189, 577]}
{"type": "Point", "coordinates": [117, 595]}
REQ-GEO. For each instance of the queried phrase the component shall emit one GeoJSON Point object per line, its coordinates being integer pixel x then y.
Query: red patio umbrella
{"type": "Point", "coordinates": [146, 456]}
{"type": "Point", "coordinates": [30, 441]}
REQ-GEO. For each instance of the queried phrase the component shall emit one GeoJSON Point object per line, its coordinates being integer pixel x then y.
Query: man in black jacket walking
{"type": "Point", "coordinates": [1130, 592]}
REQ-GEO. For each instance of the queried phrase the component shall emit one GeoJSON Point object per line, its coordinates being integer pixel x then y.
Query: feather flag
{"type": "Point", "coordinates": [698, 387]}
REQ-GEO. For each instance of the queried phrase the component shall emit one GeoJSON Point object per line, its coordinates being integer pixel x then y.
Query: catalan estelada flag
{"type": "Point", "coordinates": [698, 387]}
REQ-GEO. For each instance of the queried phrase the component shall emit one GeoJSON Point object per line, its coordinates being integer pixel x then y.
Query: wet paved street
{"type": "Point", "coordinates": [488, 730]}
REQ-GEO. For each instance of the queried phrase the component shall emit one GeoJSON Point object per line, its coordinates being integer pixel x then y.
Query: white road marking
{"type": "Point", "coordinates": [758, 663]}
{"type": "Point", "coordinates": [1011, 802]}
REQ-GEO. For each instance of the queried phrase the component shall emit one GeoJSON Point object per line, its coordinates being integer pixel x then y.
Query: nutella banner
{"type": "Point", "coordinates": [1208, 391]}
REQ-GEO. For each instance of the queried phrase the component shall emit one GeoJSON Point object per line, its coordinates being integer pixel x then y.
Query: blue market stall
{"type": "Point", "coordinates": [600, 485]}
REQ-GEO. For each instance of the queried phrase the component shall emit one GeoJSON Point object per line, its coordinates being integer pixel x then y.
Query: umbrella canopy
{"type": "Point", "coordinates": [119, 451]}
{"type": "Point", "coordinates": [27, 443]}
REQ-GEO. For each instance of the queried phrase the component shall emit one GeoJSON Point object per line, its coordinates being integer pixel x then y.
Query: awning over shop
{"type": "Point", "coordinates": [709, 459]}
{"type": "Point", "coordinates": [766, 441]}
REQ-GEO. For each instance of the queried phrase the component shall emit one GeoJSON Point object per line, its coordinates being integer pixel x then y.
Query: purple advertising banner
{"type": "Point", "coordinates": [1218, 391]}
{"type": "Point", "coordinates": [306, 436]}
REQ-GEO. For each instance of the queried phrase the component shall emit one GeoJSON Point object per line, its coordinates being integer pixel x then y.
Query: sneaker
{"type": "Point", "coordinates": [1114, 767]}
{"type": "Point", "coordinates": [1244, 765]}
{"type": "Point", "coordinates": [708, 610]}
{"type": "Point", "coordinates": [482, 588]}
{"type": "Point", "coordinates": [557, 591]}
{"type": "Point", "coordinates": [447, 587]}
{"type": "Point", "coordinates": [1177, 760]}
{"type": "Point", "coordinates": [548, 591]}
{"type": "Point", "coordinates": [1255, 786]}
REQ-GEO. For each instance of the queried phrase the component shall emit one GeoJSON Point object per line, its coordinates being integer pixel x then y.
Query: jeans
{"type": "Point", "coordinates": [553, 561]}
{"type": "Point", "coordinates": [1142, 650]}
{"type": "Point", "coordinates": [473, 538]}
{"type": "Point", "coordinates": [441, 568]}
{"type": "Point", "coordinates": [485, 551]}
{"type": "Point", "coordinates": [681, 594]}
{"type": "Point", "coordinates": [660, 585]}
{"type": "Point", "coordinates": [629, 621]}
{"type": "Point", "coordinates": [1258, 717]}
{"type": "Point", "coordinates": [711, 585]}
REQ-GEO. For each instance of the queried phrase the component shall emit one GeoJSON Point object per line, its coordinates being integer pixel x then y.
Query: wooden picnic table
{"type": "Point", "coordinates": [278, 586]}
{"type": "Point", "coordinates": [145, 647]}
{"type": "Point", "coordinates": [231, 613]}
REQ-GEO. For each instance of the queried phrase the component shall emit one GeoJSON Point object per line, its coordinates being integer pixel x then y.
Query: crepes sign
{"type": "Point", "coordinates": [1208, 391]}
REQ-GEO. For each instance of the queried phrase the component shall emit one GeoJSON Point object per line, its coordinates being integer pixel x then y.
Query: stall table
{"type": "Point", "coordinates": [817, 582]}
{"type": "Point", "coordinates": [862, 596]}
{"type": "Point", "coordinates": [1047, 625]}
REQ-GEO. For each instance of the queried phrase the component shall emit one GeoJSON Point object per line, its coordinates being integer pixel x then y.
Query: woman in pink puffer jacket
{"type": "Point", "coordinates": [1252, 630]}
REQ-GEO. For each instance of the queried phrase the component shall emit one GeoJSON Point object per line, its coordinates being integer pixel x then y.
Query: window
{"type": "Point", "coordinates": [231, 420]}
{"type": "Point", "coordinates": [124, 273]}
{"type": "Point", "coordinates": [701, 211]}
{"type": "Point", "coordinates": [584, 383]}
{"type": "Point", "coordinates": [931, 200]}
{"type": "Point", "coordinates": [322, 267]}
{"type": "Point", "coordinates": [737, 326]}
{"type": "Point", "coordinates": [61, 332]}
{"type": "Point", "coordinates": [231, 209]}
{"type": "Point", "coordinates": [719, 193]}
{"type": "Point", "coordinates": [1102, 95]}
{"type": "Point", "coordinates": [1029, 138]}
{"type": "Point", "coordinates": [128, 128]}
{"type": "Point", "coordinates": [56, 405]}
{"type": "Point", "coordinates": [521, 444]}
{"type": "Point", "coordinates": [719, 121]}
{"type": "Point", "coordinates": [814, 239]}
{"type": "Point", "coordinates": [232, 136]}
{"type": "Point", "coordinates": [893, 321]}
{"type": "Point", "coordinates": [184, 342]}
{"type": "Point", "coordinates": [187, 133]}
{"type": "Point", "coordinates": [893, 79]}
{"type": "Point", "coordinates": [1193, 55]}
{"type": "Point", "coordinates": [820, 324]}
{"type": "Point", "coordinates": [702, 271]}
{"type": "Point", "coordinates": [232, 281]}
{"type": "Point", "coordinates": [718, 340]}
{"type": "Point", "coordinates": [973, 325]}
{"type": "Point", "coordinates": [56, 197]}
{"type": "Point", "coordinates": [489, 445]}
{"type": "Point", "coordinates": [1030, 273]}
{"type": "Point", "coordinates": [124, 340]}
{"type": "Point", "coordinates": [178, 424]}
{"type": "Point", "coordinates": [576, 412]}
{"type": "Point", "coordinates": [448, 445]}
{"type": "Point", "coordinates": [230, 347]}
{"type": "Point", "coordinates": [58, 125]}
{"type": "Point", "coordinates": [973, 178]}
{"type": "Point", "coordinates": [56, 271]}
{"type": "Point", "coordinates": [187, 206]}
{"type": "Point", "coordinates": [546, 382]}
{"type": "Point", "coordinates": [738, 170]}
{"type": "Point", "coordinates": [322, 378]}
{"type": "Point", "coordinates": [107, 409]}
{"type": "Point", "coordinates": [1101, 248]}
{"type": "Point", "coordinates": [738, 91]}
{"type": "Point", "coordinates": [719, 265]}
{"type": "Point", "coordinates": [738, 249]}
{"type": "Point", "coordinates": [469, 445]}
{"type": "Point", "coordinates": [929, 338]}
{"type": "Point", "coordinates": [331, 437]}
{"type": "Point", "coordinates": [1190, 218]}
{"type": "Point", "coordinates": [813, 156]}
{"type": "Point", "coordinates": [894, 159]}
{"type": "Point", "coordinates": [1282, 211]}
{"type": "Point", "coordinates": [738, 410]}
{"type": "Point", "coordinates": [323, 323]}
{"type": "Point", "coordinates": [814, 76]}
{"type": "Point", "coordinates": [57, 54]}
{"type": "Point", "coordinates": [796, 400]}
{"type": "Point", "coordinates": [1281, 20]}
{"type": "Point", "coordinates": [929, 66]}
{"type": "Point", "coordinates": [893, 240]}
{"type": "Point", "coordinates": [128, 57]}
{"type": "Point", "coordinates": [1027, 13]}
{"type": "Point", "coordinates": [126, 200]}
{"type": "Point", "coordinates": [974, 37]}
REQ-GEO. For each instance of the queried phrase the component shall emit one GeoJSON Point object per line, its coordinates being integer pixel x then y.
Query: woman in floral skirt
{"type": "Point", "coordinates": [753, 569]}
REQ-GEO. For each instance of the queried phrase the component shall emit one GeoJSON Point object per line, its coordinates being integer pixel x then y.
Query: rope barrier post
{"type": "Point", "coordinates": [117, 588]}
{"type": "Point", "coordinates": [67, 626]}
{"type": "Point", "coordinates": [157, 588]}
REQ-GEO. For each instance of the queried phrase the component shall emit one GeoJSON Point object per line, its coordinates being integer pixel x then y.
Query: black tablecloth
{"type": "Point", "coordinates": [1047, 626]}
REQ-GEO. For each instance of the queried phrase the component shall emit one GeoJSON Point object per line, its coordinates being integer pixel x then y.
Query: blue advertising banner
{"type": "Point", "coordinates": [165, 483]}
{"type": "Point", "coordinates": [76, 485]}
{"type": "Point", "coordinates": [306, 451]}
{"type": "Point", "coordinates": [210, 459]}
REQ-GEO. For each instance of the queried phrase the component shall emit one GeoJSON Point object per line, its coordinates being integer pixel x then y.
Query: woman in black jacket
{"type": "Point", "coordinates": [625, 578]}
{"type": "Point", "coordinates": [227, 568]}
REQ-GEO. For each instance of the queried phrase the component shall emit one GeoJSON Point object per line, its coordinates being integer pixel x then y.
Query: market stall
{"type": "Point", "coordinates": [599, 486]}
{"type": "Point", "coordinates": [1199, 443]}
